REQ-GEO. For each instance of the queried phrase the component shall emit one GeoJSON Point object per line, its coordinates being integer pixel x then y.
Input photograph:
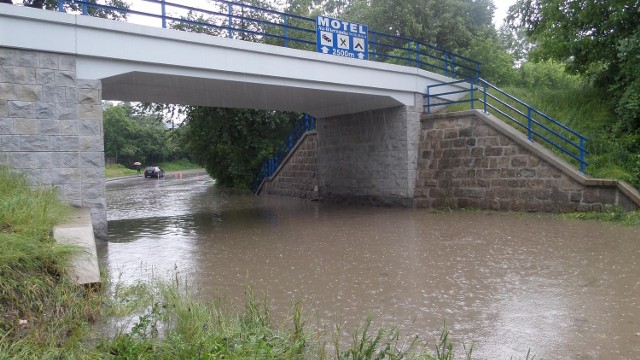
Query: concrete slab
{"type": "Point", "coordinates": [83, 267]}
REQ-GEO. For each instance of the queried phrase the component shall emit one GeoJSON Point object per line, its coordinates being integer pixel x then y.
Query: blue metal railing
{"type": "Point", "coordinates": [270, 165]}
{"type": "Point", "coordinates": [252, 23]}
{"type": "Point", "coordinates": [536, 124]}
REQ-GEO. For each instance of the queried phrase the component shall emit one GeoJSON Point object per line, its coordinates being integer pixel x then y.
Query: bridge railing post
{"type": "Point", "coordinates": [286, 31]}
{"type": "Point", "coordinates": [484, 93]}
{"type": "Point", "coordinates": [582, 150]}
{"type": "Point", "coordinates": [164, 13]}
{"type": "Point", "coordinates": [60, 5]}
{"type": "Point", "coordinates": [530, 124]}
{"type": "Point", "coordinates": [230, 20]}
{"type": "Point", "coordinates": [417, 54]}
{"type": "Point", "coordinates": [471, 90]}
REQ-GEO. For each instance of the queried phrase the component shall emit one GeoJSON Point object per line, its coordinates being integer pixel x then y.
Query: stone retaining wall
{"type": "Point", "coordinates": [470, 159]}
{"type": "Point", "coordinates": [297, 176]}
{"type": "Point", "coordinates": [51, 127]}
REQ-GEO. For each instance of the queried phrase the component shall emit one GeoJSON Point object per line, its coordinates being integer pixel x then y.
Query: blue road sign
{"type": "Point", "coordinates": [341, 38]}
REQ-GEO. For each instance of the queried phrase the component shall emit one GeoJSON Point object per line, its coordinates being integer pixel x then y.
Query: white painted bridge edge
{"type": "Point", "coordinates": [142, 63]}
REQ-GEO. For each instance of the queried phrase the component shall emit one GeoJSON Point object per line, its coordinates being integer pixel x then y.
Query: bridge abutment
{"type": "Point", "coordinates": [51, 127]}
{"type": "Point", "coordinates": [370, 157]}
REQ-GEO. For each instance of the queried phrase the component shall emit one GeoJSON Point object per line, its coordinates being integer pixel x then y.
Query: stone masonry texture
{"type": "Point", "coordinates": [370, 157]}
{"type": "Point", "coordinates": [464, 162]}
{"type": "Point", "coordinates": [51, 128]}
{"type": "Point", "coordinates": [298, 175]}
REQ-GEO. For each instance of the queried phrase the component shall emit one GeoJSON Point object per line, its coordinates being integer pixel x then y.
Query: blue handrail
{"type": "Point", "coordinates": [252, 23]}
{"type": "Point", "coordinates": [270, 165]}
{"type": "Point", "coordinates": [535, 123]}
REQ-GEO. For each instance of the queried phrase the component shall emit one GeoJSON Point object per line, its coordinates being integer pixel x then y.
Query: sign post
{"type": "Point", "coordinates": [341, 38]}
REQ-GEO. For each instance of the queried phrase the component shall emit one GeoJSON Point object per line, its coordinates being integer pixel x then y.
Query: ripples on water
{"type": "Point", "coordinates": [506, 282]}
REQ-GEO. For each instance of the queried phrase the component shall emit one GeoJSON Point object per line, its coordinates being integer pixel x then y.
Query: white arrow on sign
{"type": "Point", "coordinates": [325, 50]}
{"type": "Point", "coordinates": [360, 56]}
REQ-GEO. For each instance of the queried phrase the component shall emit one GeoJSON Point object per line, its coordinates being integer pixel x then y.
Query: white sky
{"type": "Point", "coordinates": [501, 9]}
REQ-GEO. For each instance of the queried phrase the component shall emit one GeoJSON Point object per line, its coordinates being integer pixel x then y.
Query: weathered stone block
{"type": "Point", "coordinates": [89, 127]}
{"type": "Point", "coordinates": [492, 151]}
{"type": "Point", "coordinates": [48, 61]}
{"type": "Point", "coordinates": [68, 127]}
{"type": "Point", "coordinates": [45, 77]}
{"type": "Point", "coordinates": [9, 143]}
{"type": "Point", "coordinates": [64, 176]}
{"type": "Point", "coordinates": [67, 63]}
{"type": "Point", "coordinates": [49, 127]}
{"type": "Point", "coordinates": [527, 173]}
{"type": "Point", "coordinates": [519, 161]}
{"type": "Point", "coordinates": [21, 109]}
{"type": "Point", "coordinates": [29, 160]}
{"type": "Point", "coordinates": [65, 143]}
{"type": "Point", "coordinates": [67, 111]}
{"type": "Point", "coordinates": [89, 84]}
{"type": "Point", "coordinates": [88, 96]}
{"type": "Point", "coordinates": [14, 57]}
{"type": "Point", "coordinates": [25, 127]}
{"type": "Point", "coordinates": [6, 126]}
{"type": "Point", "coordinates": [38, 177]}
{"type": "Point", "coordinates": [19, 75]}
{"type": "Point", "coordinates": [71, 94]}
{"type": "Point", "coordinates": [66, 160]}
{"type": "Point", "coordinates": [90, 112]}
{"type": "Point", "coordinates": [53, 94]}
{"type": "Point", "coordinates": [65, 78]}
{"type": "Point", "coordinates": [35, 143]}
{"type": "Point", "coordinates": [44, 110]}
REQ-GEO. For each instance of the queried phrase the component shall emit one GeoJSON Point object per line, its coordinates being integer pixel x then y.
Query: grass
{"type": "Point", "coordinates": [614, 214]}
{"type": "Point", "coordinates": [168, 323]}
{"type": "Point", "coordinates": [119, 170]}
{"type": "Point", "coordinates": [40, 309]}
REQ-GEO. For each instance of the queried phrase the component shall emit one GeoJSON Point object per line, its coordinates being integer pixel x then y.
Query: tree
{"type": "Point", "coordinates": [232, 143]}
{"type": "Point", "coordinates": [93, 11]}
{"type": "Point", "coordinates": [129, 137]}
{"type": "Point", "coordinates": [599, 39]}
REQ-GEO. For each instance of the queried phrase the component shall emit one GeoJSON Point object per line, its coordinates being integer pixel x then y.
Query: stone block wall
{"type": "Point", "coordinates": [470, 159]}
{"type": "Point", "coordinates": [51, 127]}
{"type": "Point", "coordinates": [370, 157]}
{"type": "Point", "coordinates": [297, 176]}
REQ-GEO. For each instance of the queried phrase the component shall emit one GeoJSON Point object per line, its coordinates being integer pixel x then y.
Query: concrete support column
{"type": "Point", "coordinates": [370, 157]}
{"type": "Point", "coordinates": [51, 127]}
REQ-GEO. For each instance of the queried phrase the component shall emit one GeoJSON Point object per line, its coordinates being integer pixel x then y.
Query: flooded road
{"type": "Point", "coordinates": [504, 282]}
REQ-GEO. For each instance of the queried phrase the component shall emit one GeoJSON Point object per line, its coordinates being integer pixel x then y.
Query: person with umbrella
{"type": "Point", "coordinates": [137, 165]}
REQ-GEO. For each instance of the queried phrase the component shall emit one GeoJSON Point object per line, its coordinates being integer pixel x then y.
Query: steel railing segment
{"type": "Point", "coordinates": [239, 20]}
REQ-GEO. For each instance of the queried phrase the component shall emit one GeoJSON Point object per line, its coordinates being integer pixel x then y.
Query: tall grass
{"type": "Point", "coordinates": [39, 309]}
{"type": "Point", "coordinates": [168, 323]}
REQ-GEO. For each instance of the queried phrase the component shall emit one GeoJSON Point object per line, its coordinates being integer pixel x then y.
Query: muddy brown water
{"type": "Point", "coordinates": [505, 283]}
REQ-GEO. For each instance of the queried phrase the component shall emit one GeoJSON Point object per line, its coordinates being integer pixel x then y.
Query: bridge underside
{"type": "Point", "coordinates": [236, 93]}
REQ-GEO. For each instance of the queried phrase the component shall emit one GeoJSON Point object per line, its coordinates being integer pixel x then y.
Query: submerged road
{"type": "Point", "coordinates": [504, 282]}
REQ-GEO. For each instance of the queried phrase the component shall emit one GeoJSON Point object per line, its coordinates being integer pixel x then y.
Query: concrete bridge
{"type": "Point", "coordinates": [372, 143]}
{"type": "Point", "coordinates": [58, 68]}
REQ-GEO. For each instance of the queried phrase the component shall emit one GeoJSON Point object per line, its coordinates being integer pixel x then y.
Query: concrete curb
{"type": "Point", "coordinates": [78, 231]}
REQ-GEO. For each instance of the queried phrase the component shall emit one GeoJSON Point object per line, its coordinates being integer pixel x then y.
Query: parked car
{"type": "Point", "coordinates": [153, 171]}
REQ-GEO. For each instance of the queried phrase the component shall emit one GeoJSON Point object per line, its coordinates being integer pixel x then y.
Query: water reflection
{"type": "Point", "coordinates": [503, 281]}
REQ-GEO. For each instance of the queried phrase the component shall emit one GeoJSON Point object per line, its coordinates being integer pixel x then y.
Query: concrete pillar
{"type": "Point", "coordinates": [370, 157]}
{"type": "Point", "coordinates": [51, 128]}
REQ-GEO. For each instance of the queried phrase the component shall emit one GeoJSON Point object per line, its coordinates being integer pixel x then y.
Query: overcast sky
{"type": "Point", "coordinates": [501, 7]}
{"type": "Point", "coordinates": [501, 11]}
